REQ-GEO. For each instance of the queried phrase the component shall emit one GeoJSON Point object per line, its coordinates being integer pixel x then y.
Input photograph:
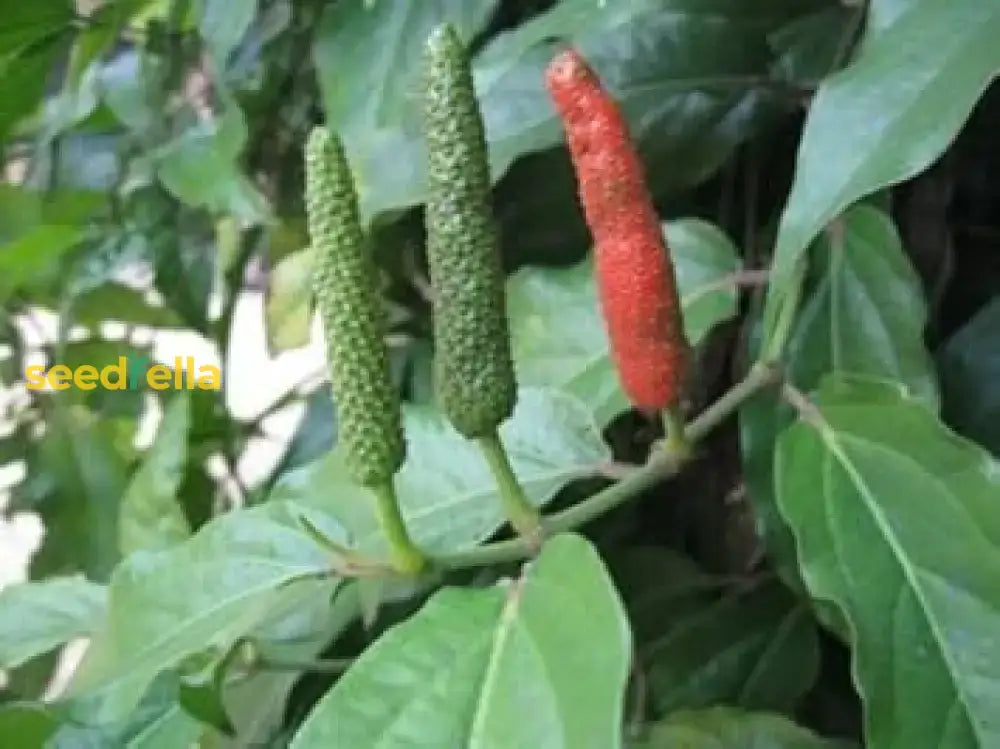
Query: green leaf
{"type": "Point", "coordinates": [25, 23]}
{"type": "Point", "coordinates": [897, 523]}
{"type": "Point", "coordinates": [289, 301]}
{"type": "Point", "coordinates": [36, 617]}
{"type": "Point", "coordinates": [754, 648]}
{"type": "Point", "coordinates": [692, 84]}
{"type": "Point", "coordinates": [256, 704]}
{"type": "Point", "coordinates": [85, 475]}
{"type": "Point", "coordinates": [885, 118]}
{"type": "Point", "coordinates": [970, 378]}
{"type": "Point", "coordinates": [730, 728]}
{"type": "Point", "coordinates": [558, 334]}
{"type": "Point", "coordinates": [35, 254]}
{"type": "Point", "coordinates": [206, 592]}
{"type": "Point", "coordinates": [22, 83]}
{"type": "Point", "coordinates": [864, 314]}
{"type": "Point", "coordinates": [27, 725]}
{"type": "Point", "coordinates": [447, 494]}
{"type": "Point", "coordinates": [151, 517]}
{"type": "Point", "coordinates": [539, 662]}
{"type": "Point", "coordinates": [223, 23]}
{"type": "Point", "coordinates": [157, 722]}
{"type": "Point", "coordinates": [808, 47]}
{"type": "Point", "coordinates": [120, 303]}
{"type": "Point", "coordinates": [201, 168]}
{"type": "Point", "coordinates": [379, 89]}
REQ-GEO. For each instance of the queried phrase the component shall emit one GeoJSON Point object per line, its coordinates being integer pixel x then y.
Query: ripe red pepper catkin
{"type": "Point", "coordinates": [635, 275]}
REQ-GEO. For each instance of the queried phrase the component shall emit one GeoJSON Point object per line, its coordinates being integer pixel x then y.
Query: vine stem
{"type": "Point", "coordinates": [663, 464]}
{"type": "Point", "coordinates": [519, 511]}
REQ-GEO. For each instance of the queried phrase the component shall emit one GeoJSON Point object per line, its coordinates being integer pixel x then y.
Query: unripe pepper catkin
{"type": "Point", "coordinates": [474, 371]}
{"type": "Point", "coordinates": [345, 280]}
{"type": "Point", "coordinates": [635, 275]}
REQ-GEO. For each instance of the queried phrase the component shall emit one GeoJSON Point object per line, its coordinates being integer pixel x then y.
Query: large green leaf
{"type": "Point", "coordinates": [150, 516]}
{"type": "Point", "coordinates": [703, 640]}
{"type": "Point", "coordinates": [368, 58]}
{"type": "Point", "coordinates": [694, 84]}
{"type": "Point", "coordinates": [35, 256]}
{"type": "Point", "coordinates": [81, 474]}
{"type": "Point", "coordinates": [558, 334]}
{"type": "Point", "coordinates": [885, 117]}
{"type": "Point", "coordinates": [730, 728]}
{"type": "Point", "coordinates": [22, 83]}
{"type": "Point", "coordinates": [24, 23]}
{"type": "Point", "coordinates": [115, 301]}
{"type": "Point", "coordinates": [754, 647]}
{"type": "Point", "coordinates": [864, 314]}
{"type": "Point", "coordinates": [206, 592]}
{"type": "Point", "coordinates": [447, 494]}
{"type": "Point", "coordinates": [26, 725]}
{"type": "Point", "coordinates": [538, 662]}
{"type": "Point", "coordinates": [256, 704]}
{"type": "Point", "coordinates": [223, 23]}
{"type": "Point", "coordinates": [970, 378]}
{"type": "Point", "coordinates": [201, 168]}
{"type": "Point", "coordinates": [897, 523]}
{"type": "Point", "coordinates": [36, 617]}
{"type": "Point", "coordinates": [158, 722]}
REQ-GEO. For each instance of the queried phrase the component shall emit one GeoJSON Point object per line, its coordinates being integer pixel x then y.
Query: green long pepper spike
{"type": "Point", "coordinates": [345, 280]}
{"type": "Point", "coordinates": [474, 369]}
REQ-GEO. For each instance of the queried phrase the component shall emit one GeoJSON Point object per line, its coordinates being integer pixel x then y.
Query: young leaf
{"type": "Point", "coordinates": [897, 523]}
{"type": "Point", "coordinates": [541, 661]}
{"type": "Point", "coordinates": [558, 334]}
{"type": "Point", "coordinates": [885, 118]}
{"type": "Point", "coordinates": [36, 617]}
{"type": "Point", "coordinates": [447, 494]}
{"type": "Point", "coordinates": [150, 516]}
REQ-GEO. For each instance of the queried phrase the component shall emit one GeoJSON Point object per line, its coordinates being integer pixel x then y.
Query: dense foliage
{"type": "Point", "coordinates": [820, 569]}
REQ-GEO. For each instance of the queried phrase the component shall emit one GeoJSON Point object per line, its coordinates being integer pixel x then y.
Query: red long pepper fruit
{"type": "Point", "coordinates": [635, 275]}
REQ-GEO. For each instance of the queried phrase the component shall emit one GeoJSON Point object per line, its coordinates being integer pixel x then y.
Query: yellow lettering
{"type": "Point", "coordinates": [35, 375]}
{"type": "Point", "coordinates": [158, 377]}
{"type": "Point", "coordinates": [178, 373]}
{"type": "Point", "coordinates": [114, 369]}
{"type": "Point", "coordinates": [211, 378]}
{"type": "Point", "coordinates": [85, 377]}
{"type": "Point", "coordinates": [59, 377]}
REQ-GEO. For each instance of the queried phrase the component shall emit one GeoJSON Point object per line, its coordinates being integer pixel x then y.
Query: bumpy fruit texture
{"type": "Point", "coordinates": [638, 290]}
{"type": "Point", "coordinates": [345, 280]}
{"type": "Point", "coordinates": [474, 370]}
